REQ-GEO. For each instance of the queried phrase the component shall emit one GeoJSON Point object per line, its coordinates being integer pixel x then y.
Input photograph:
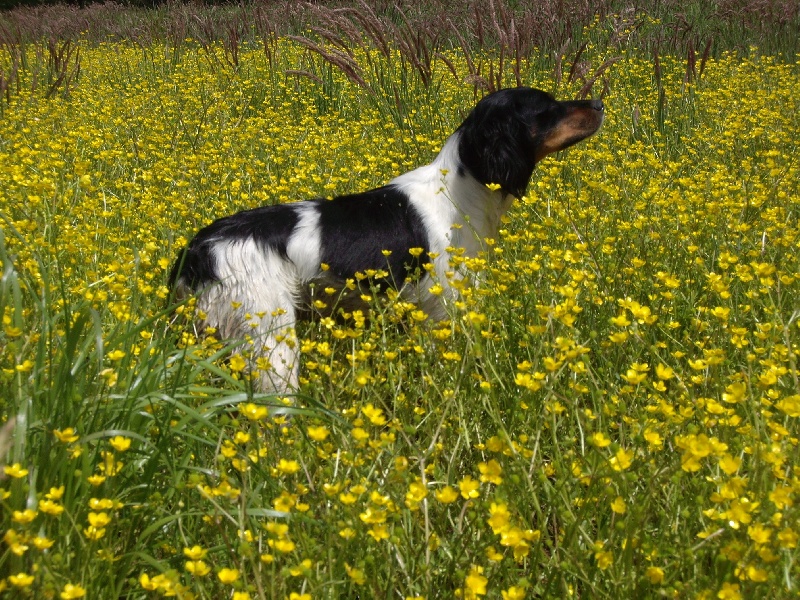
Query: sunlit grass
{"type": "Point", "coordinates": [611, 410]}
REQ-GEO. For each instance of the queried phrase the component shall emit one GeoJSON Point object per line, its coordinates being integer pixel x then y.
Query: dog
{"type": "Point", "coordinates": [255, 273]}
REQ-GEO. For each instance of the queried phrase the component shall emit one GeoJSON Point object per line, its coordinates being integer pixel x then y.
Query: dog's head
{"type": "Point", "coordinates": [509, 131]}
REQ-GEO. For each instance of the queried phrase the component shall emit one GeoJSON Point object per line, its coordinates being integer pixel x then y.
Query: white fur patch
{"type": "Point", "coordinates": [255, 300]}
{"type": "Point", "coordinates": [457, 211]}
{"type": "Point", "coordinates": [304, 245]}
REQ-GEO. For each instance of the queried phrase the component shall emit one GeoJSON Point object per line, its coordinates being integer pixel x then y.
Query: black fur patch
{"type": "Point", "coordinates": [270, 226]}
{"type": "Point", "coordinates": [356, 229]}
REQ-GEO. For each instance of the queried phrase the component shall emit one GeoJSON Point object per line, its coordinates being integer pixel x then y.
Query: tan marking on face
{"type": "Point", "coordinates": [579, 124]}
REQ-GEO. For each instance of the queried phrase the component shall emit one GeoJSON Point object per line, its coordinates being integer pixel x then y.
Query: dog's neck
{"type": "Point", "coordinates": [467, 209]}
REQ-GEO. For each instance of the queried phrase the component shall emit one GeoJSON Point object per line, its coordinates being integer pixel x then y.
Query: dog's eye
{"type": "Point", "coordinates": [549, 115]}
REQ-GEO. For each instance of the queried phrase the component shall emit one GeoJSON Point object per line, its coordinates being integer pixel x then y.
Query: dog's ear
{"type": "Point", "coordinates": [496, 147]}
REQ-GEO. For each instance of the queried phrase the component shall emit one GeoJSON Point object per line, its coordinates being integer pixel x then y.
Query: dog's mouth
{"type": "Point", "coordinates": [582, 119]}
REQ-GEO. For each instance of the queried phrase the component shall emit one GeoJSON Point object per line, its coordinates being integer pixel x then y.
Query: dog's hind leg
{"type": "Point", "coordinates": [276, 356]}
{"type": "Point", "coordinates": [262, 333]}
{"type": "Point", "coordinates": [254, 302]}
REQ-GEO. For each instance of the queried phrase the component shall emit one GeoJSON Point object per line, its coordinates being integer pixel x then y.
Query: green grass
{"type": "Point", "coordinates": [611, 410]}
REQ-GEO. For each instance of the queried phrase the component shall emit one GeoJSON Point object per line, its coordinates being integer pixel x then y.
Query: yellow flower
{"type": "Point", "coordinates": [599, 440]}
{"type": "Point", "coordinates": [120, 443]}
{"type": "Point", "coordinates": [739, 511]}
{"type": "Point", "coordinates": [301, 569]}
{"type": "Point", "coordinates": [318, 434]}
{"type": "Point", "coordinates": [513, 593]}
{"type": "Point", "coordinates": [378, 532]}
{"type": "Point", "coordinates": [698, 365]}
{"type": "Point", "coordinates": [241, 437]}
{"type": "Point", "coordinates": [99, 504]}
{"type": "Point", "coordinates": [735, 393]}
{"type": "Point", "coordinates": [198, 568]}
{"type": "Point", "coordinates": [664, 372]}
{"type": "Point", "coordinates": [634, 377]}
{"type": "Point", "coordinates": [475, 582]}
{"type": "Point", "coordinates": [787, 538]}
{"type": "Point", "coordinates": [618, 505]}
{"type": "Point", "coordinates": [446, 495]}
{"type": "Point", "coordinates": [55, 493]}
{"type": "Point", "coordinates": [621, 320]}
{"type": "Point", "coordinates": [285, 502]}
{"type": "Point", "coordinates": [621, 460]}
{"type": "Point", "coordinates": [283, 545]}
{"type": "Point", "coordinates": [759, 534]}
{"type": "Point", "coordinates": [653, 439]}
{"type": "Point", "coordinates": [347, 499]}
{"type": "Point", "coordinates": [98, 519]}
{"type": "Point", "coordinates": [228, 576]}
{"type": "Point", "coordinates": [21, 580]}
{"type": "Point", "coordinates": [24, 516]}
{"type": "Point", "coordinates": [42, 543]}
{"type": "Point", "coordinates": [96, 479]}
{"type": "Point", "coordinates": [287, 467]}
{"type": "Point", "coordinates": [604, 559]}
{"type": "Point", "coordinates": [15, 542]}
{"type": "Point", "coordinates": [25, 366]}
{"type": "Point", "coordinates": [375, 415]}
{"type": "Point", "coordinates": [51, 508]}
{"type": "Point", "coordinates": [16, 471]}
{"type": "Point", "coordinates": [72, 591]}
{"type": "Point", "coordinates": [416, 494]}
{"type": "Point", "coordinates": [619, 337]}
{"type": "Point", "coordinates": [116, 355]}
{"type": "Point", "coordinates": [729, 591]}
{"type": "Point", "coordinates": [499, 517]}
{"type": "Point", "coordinates": [469, 488]}
{"type": "Point", "coordinates": [756, 574]}
{"type": "Point", "coordinates": [146, 582]}
{"type": "Point", "coordinates": [278, 529]}
{"type": "Point", "coordinates": [493, 555]}
{"type": "Point", "coordinates": [195, 553]}
{"type": "Point", "coordinates": [94, 533]}
{"type": "Point", "coordinates": [373, 515]}
{"type": "Point", "coordinates": [228, 449]}
{"type": "Point", "coordinates": [695, 448]}
{"type": "Point", "coordinates": [357, 575]}
{"type": "Point", "coordinates": [529, 381]}
{"type": "Point", "coordinates": [254, 412]}
{"type": "Point", "coordinates": [237, 363]}
{"type": "Point", "coordinates": [729, 464]}
{"type": "Point", "coordinates": [790, 405]}
{"type": "Point", "coordinates": [490, 472]}
{"type": "Point", "coordinates": [655, 575]}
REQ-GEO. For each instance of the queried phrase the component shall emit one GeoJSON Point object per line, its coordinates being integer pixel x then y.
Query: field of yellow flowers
{"type": "Point", "coordinates": [610, 412]}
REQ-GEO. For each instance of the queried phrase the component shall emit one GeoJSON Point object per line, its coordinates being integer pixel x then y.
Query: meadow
{"type": "Point", "coordinates": [611, 410]}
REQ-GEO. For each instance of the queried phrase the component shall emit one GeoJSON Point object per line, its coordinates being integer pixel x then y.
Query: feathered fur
{"type": "Point", "coordinates": [255, 271]}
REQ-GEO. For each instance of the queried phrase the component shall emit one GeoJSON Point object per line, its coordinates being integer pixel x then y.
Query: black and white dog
{"type": "Point", "coordinates": [258, 271]}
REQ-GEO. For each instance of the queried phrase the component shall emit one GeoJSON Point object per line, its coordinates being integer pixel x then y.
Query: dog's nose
{"type": "Point", "coordinates": [598, 105]}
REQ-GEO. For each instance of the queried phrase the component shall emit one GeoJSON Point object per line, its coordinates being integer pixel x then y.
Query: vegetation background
{"type": "Point", "coordinates": [611, 410]}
